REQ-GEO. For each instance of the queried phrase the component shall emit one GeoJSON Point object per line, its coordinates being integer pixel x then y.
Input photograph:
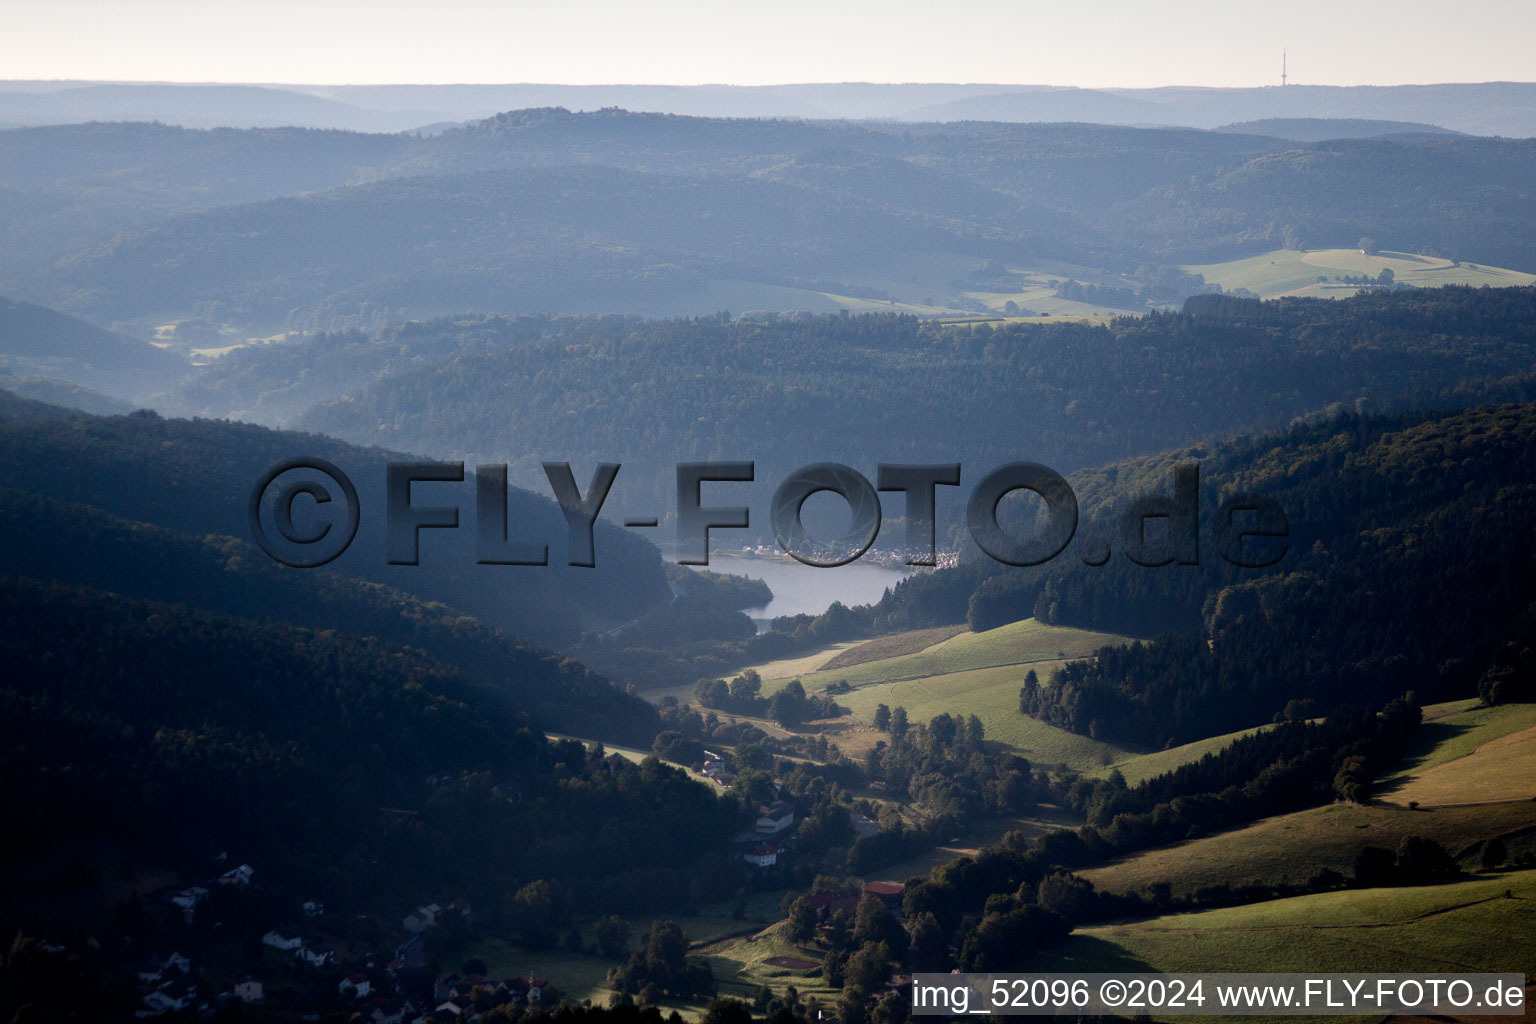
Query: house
{"type": "Point", "coordinates": [248, 990]}
{"type": "Point", "coordinates": [285, 938]}
{"type": "Point", "coordinates": [863, 825]}
{"type": "Point", "coordinates": [314, 955]}
{"type": "Point", "coordinates": [444, 985]}
{"type": "Point", "coordinates": [422, 918]}
{"type": "Point", "coordinates": [449, 1010]}
{"type": "Point", "coordinates": [237, 876]}
{"type": "Point", "coordinates": [888, 893]}
{"type": "Point", "coordinates": [176, 961]}
{"type": "Point", "coordinates": [776, 817]}
{"type": "Point", "coordinates": [312, 908]}
{"type": "Point", "coordinates": [764, 855]}
{"type": "Point", "coordinates": [354, 986]}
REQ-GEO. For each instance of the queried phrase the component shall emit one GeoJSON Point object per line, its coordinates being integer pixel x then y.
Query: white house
{"type": "Point", "coordinates": [355, 985]}
{"type": "Point", "coordinates": [764, 856]}
{"type": "Point", "coordinates": [422, 918]}
{"type": "Point", "coordinates": [314, 956]}
{"type": "Point", "coordinates": [248, 990]}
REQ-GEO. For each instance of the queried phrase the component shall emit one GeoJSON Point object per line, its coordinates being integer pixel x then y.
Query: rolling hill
{"type": "Point", "coordinates": [544, 210]}
{"type": "Point", "coordinates": [195, 478]}
{"type": "Point", "coordinates": [40, 342]}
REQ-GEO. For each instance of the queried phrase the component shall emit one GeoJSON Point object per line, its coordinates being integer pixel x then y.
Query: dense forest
{"type": "Point", "coordinates": [83, 546]}
{"type": "Point", "coordinates": [789, 391]}
{"type": "Point", "coordinates": [195, 477]}
{"type": "Point", "coordinates": [328, 761]}
{"type": "Point", "coordinates": [1386, 516]}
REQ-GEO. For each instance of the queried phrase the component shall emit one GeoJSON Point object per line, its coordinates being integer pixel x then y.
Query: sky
{"type": "Point", "coordinates": [1087, 43]}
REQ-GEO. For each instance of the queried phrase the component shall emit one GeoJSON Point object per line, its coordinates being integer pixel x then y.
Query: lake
{"type": "Point", "coordinates": [804, 589]}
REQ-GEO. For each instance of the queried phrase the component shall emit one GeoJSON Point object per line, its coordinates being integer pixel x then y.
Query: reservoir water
{"type": "Point", "coordinates": [803, 589]}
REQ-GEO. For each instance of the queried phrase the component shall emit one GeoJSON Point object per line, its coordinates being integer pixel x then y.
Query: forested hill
{"type": "Point", "coordinates": [194, 477]}
{"type": "Point", "coordinates": [1409, 564]}
{"type": "Point", "coordinates": [82, 546]}
{"type": "Point", "coordinates": [545, 210]}
{"type": "Point", "coordinates": [333, 764]}
{"type": "Point", "coordinates": [864, 390]}
{"type": "Point", "coordinates": [35, 340]}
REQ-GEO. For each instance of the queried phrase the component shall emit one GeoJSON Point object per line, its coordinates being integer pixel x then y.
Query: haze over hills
{"type": "Point", "coordinates": [546, 210]}
{"type": "Point", "coordinates": [1492, 108]}
{"type": "Point", "coordinates": [1323, 297]}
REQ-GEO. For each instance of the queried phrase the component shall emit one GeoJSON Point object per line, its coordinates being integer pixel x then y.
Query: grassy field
{"type": "Point", "coordinates": [893, 645]}
{"type": "Point", "coordinates": [1295, 272]}
{"type": "Point", "coordinates": [1500, 769]}
{"type": "Point", "coordinates": [741, 965]}
{"type": "Point", "coordinates": [1470, 772]}
{"type": "Point", "coordinates": [931, 672]}
{"type": "Point", "coordinates": [1457, 729]}
{"type": "Point", "coordinates": [577, 975]}
{"type": "Point", "coordinates": [1293, 847]}
{"type": "Point", "coordinates": [992, 695]}
{"type": "Point", "coordinates": [1019, 643]}
{"type": "Point", "coordinates": [1147, 766]}
{"type": "Point", "coordinates": [1462, 926]}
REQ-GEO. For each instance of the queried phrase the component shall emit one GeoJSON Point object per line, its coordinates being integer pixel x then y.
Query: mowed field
{"type": "Point", "coordinates": [1025, 643]}
{"type": "Point", "coordinates": [1456, 729]}
{"type": "Point", "coordinates": [992, 695]}
{"type": "Point", "coordinates": [1296, 272]}
{"type": "Point", "coordinates": [1468, 925]}
{"type": "Point", "coordinates": [1472, 791]}
{"type": "Point", "coordinates": [957, 672]}
{"type": "Point", "coordinates": [1291, 848]}
{"type": "Point", "coordinates": [1501, 769]}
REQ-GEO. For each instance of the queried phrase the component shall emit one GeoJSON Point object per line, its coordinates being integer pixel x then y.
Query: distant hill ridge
{"type": "Point", "coordinates": [1484, 108]}
{"type": "Point", "coordinates": [1322, 129]}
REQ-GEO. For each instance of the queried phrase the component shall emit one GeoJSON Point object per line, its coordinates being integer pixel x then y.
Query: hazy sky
{"type": "Point", "coordinates": [1084, 43]}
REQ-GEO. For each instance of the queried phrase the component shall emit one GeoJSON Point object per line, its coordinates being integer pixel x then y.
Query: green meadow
{"type": "Point", "coordinates": [1019, 643]}
{"type": "Point", "coordinates": [1468, 781]}
{"type": "Point", "coordinates": [992, 695]}
{"type": "Point", "coordinates": [1141, 767]}
{"type": "Point", "coordinates": [1469, 925]}
{"type": "Point", "coordinates": [1296, 272]}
